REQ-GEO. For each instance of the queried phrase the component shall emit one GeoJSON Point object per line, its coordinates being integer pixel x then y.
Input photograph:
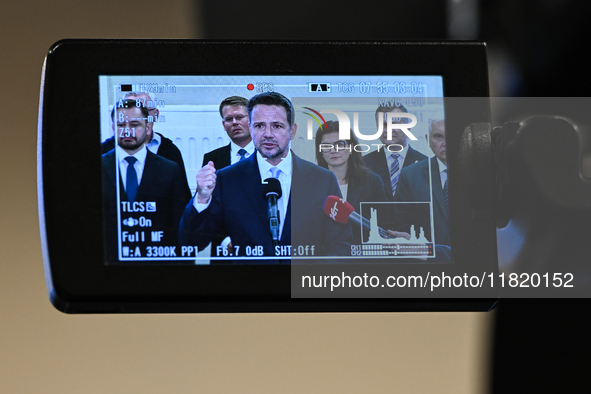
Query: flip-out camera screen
{"type": "Point", "coordinates": [207, 186]}
{"type": "Point", "coordinates": [267, 169]}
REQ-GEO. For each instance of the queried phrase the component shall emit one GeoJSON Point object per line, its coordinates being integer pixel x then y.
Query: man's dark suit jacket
{"type": "Point", "coordinates": [376, 162]}
{"type": "Point", "coordinates": [167, 149]}
{"type": "Point", "coordinates": [239, 209]}
{"type": "Point", "coordinates": [364, 189]}
{"type": "Point", "coordinates": [220, 157]}
{"type": "Point", "coordinates": [413, 186]}
{"type": "Point", "coordinates": [161, 183]}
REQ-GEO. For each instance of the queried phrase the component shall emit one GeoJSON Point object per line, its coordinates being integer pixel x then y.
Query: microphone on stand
{"type": "Point", "coordinates": [272, 193]}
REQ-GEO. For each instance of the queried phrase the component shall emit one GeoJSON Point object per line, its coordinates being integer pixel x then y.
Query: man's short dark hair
{"type": "Point", "coordinates": [232, 100]}
{"type": "Point", "coordinates": [129, 103]}
{"type": "Point", "coordinates": [271, 98]}
{"type": "Point", "coordinates": [389, 108]}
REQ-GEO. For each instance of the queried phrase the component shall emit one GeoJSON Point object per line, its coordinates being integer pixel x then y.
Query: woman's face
{"type": "Point", "coordinates": [339, 154]}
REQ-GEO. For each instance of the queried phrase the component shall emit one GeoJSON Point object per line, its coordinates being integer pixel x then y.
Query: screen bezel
{"type": "Point", "coordinates": [78, 279]}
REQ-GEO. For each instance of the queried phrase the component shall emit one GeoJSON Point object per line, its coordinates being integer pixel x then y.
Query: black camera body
{"type": "Point", "coordinates": [106, 252]}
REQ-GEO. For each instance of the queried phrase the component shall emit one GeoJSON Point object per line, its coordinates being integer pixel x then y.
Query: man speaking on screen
{"type": "Point", "coordinates": [234, 201]}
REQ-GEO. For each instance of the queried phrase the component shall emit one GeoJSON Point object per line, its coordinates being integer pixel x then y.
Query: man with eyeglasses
{"type": "Point", "coordinates": [235, 123]}
{"type": "Point", "coordinates": [155, 142]}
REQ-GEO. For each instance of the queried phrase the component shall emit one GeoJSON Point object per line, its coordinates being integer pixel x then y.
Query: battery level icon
{"type": "Point", "coordinates": [319, 87]}
{"type": "Point", "coordinates": [129, 87]}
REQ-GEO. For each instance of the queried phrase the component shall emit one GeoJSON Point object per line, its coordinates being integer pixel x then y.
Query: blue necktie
{"type": "Point", "coordinates": [131, 180]}
{"type": "Point", "coordinates": [242, 154]}
{"type": "Point", "coordinates": [275, 172]}
{"type": "Point", "coordinates": [394, 172]}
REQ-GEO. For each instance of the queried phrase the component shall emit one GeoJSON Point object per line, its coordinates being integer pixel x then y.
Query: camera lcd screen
{"type": "Point", "coordinates": [267, 169]}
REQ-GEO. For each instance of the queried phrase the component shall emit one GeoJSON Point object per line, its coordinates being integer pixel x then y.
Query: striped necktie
{"type": "Point", "coordinates": [394, 172]}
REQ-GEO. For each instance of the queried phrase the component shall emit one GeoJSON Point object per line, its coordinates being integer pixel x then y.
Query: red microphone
{"type": "Point", "coordinates": [341, 211]}
{"type": "Point", "coordinates": [338, 209]}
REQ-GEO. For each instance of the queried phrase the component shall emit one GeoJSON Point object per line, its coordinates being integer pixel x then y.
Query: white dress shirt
{"type": "Point", "coordinates": [344, 190]}
{"type": "Point", "coordinates": [442, 172]}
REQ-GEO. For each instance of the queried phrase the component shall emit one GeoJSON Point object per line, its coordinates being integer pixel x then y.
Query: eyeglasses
{"type": "Point", "coordinates": [337, 146]}
{"type": "Point", "coordinates": [229, 119]}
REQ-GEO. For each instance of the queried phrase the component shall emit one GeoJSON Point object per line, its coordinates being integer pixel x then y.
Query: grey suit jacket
{"type": "Point", "coordinates": [414, 186]}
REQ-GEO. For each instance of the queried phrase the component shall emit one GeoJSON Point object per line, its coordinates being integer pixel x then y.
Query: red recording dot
{"type": "Point", "coordinates": [250, 86]}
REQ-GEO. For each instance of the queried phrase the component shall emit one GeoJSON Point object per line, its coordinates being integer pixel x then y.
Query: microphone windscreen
{"type": "Point", "coordinates": [271, 186]}
{"type": "Point", "coordinates": [337, 209]}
